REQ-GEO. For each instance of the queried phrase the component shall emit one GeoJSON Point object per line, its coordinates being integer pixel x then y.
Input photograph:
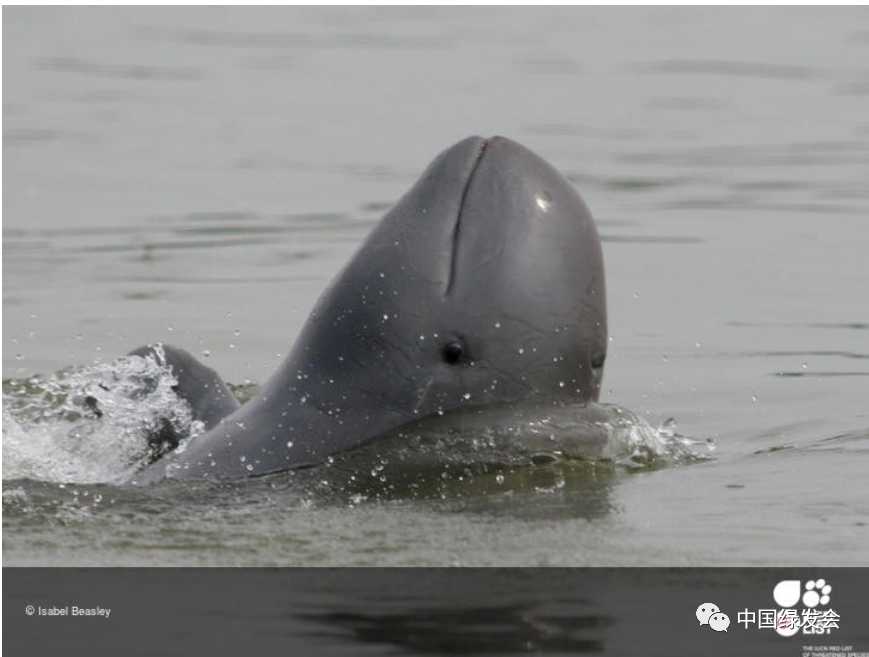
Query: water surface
{"type": "Point", "coordinates": [196, 176]}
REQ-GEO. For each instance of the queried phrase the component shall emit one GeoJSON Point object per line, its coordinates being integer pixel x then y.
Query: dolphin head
{"type": "Point", "coordinates": [484, 284]}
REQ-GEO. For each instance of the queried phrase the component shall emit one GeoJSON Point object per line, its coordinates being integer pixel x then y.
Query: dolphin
{"type": "Point", "coordinates": [483, 285]}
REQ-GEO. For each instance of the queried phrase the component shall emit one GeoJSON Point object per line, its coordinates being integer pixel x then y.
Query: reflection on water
{"type": "Point", "coordinates": [493, 630]}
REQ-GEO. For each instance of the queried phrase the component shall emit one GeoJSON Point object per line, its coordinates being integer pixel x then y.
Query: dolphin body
{"type": "Point", "coordinates": [483, 285]}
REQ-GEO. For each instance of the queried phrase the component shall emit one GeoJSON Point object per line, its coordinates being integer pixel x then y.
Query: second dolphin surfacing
{"type": "Point", "coordinates": [483, 285]}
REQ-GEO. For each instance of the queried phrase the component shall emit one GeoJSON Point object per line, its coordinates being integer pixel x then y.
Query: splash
{"type": "Point", "coordinates": [528, 433]}
{"type": "Point", "coordinates": [530, 441]}
{"type": "Point", "coordinates": [636, 444]}
{"type": "Point", "coordinates": [91, 424]}
{"type": "Point", "coordinates": [97, 424]}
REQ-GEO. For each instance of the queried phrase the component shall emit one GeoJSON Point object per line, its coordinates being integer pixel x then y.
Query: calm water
{"type": "Point", "coordinates": [198, 175]}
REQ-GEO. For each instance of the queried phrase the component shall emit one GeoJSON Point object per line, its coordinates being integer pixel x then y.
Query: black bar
{"type": "Point", "coordinates": [414, 611]}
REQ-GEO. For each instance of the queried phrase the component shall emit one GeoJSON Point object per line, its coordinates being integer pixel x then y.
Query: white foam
{"type": "Point", "coordinates": [52, 433]}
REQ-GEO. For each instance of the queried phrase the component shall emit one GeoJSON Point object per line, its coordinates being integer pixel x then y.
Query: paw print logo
{"type": "Point", "coordinates": [817, 592]}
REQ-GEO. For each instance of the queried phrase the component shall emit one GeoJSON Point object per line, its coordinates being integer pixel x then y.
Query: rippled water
{"type": "Point", "coordinates": [196, 176]}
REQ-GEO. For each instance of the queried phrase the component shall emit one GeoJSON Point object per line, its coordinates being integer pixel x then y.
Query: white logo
{"type": "Point", "coordinates": [719, 622]}
{"type": "Point", "coordinates": [705, 610]}
{"type": "Point", "coordinates": [817, 592]}
{"type": "Point", "coordinates": [787, 593]}
{"type": "Point", "coordinates": [709, 614]}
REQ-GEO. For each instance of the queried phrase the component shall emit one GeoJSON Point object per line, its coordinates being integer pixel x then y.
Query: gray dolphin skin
{"type": "Point", "coordinates": [210, 399]}
{"type": "Point", "coordinates": [483, 285]}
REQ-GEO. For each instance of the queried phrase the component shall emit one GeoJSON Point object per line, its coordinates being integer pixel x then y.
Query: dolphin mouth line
{"type": "Point", "coordinates": [457, 228]}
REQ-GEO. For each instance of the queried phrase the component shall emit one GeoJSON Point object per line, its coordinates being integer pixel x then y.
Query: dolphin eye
{"type": "Point", "coordinates": [453, 352]}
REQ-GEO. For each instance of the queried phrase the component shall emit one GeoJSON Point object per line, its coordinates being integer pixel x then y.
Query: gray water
{"type": "Point", "coordinates": [196, 176]}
